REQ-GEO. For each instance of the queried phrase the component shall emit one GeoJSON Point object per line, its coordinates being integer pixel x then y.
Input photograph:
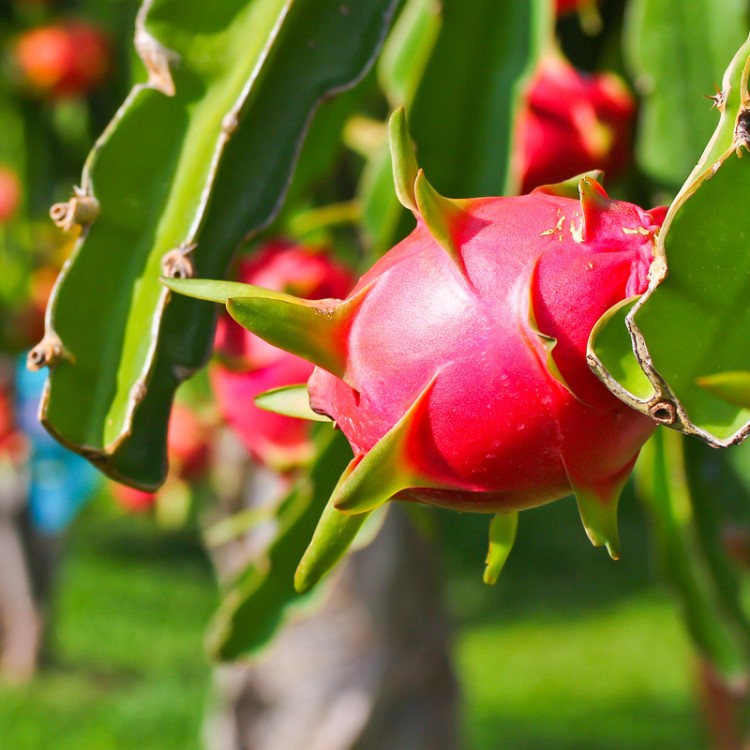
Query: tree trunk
{"type": "Point", "coordinates": [368, 669]}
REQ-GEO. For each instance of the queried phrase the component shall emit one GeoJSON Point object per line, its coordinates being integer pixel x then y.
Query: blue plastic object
{"type": "Point", "coordinates": [60, 481]}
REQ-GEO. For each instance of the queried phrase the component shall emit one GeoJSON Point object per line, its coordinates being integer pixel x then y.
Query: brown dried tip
{"type": "Point", "coordinates": [157, 58]}
{"type": "Point", "coordinates": [80, 210]}
{"type": "Point", "coordinates": [177, 265]}
{"type": "Point", "coordinates": [48, 352]}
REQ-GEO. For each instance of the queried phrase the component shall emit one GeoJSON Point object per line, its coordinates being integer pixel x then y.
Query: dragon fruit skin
{"type": "Point", "coordinates": [573, 122]}
{"type": "Point", "coordinates": [499, 420]}
{"type": "Point", "coordinates": [248, 366]}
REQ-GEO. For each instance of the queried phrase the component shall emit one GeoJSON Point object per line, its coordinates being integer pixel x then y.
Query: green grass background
{"type": "Point", "coordinates": [569, 650]}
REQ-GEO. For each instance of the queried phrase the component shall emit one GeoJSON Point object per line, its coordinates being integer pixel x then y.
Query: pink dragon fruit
{"type": "Point", "coordinates": [248, 366]}
{"type": "Point", "coordinates": [572, 123]}
{"type": "Point", "coordinates": [457, 367]}
{"type": "Point", "coordinates": [461, 377]}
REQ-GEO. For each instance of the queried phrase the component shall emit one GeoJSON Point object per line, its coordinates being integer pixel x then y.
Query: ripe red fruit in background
{"type": "Point", "coordinates": [569, 6]}
{"type": "Point", "coordinates": [131, 499]}
{"type": "Point", "coordinates": [188, 443]}
{"type": "Point", "coordinates": [248, 366]}
{"type": "Point", "coordinates": [13, 442]}
{"type": "Point", "coordinates": [10, 193]}
{"type": "Point", "coordinates": [189, 451]}
{"type": "Point", "coordinates": [466, 379]}
{"type": "Point", "coordinates": [69, 59]}
{"type": "Point", "coordinates": [573, 122]}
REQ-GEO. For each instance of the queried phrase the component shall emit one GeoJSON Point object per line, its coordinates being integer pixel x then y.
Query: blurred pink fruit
{"type": "Point", "coordinates": [10, 194]}
{"type": "Point", "coordinates": [189, 450]}
{"type": "Point", "coordinates": [65, 60]}
{"type": "Point", "coordinates": [248, 366]}
{"type": "Point", "coordinates": [573, 123]}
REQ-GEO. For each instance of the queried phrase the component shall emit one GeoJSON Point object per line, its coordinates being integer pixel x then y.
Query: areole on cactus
{"type": "Point", "coordinates": [457, 366]}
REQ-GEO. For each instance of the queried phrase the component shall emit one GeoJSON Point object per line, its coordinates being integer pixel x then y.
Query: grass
{"type": "Point", "coordinates": [569, 650]}
{"type": "Point", "coordinates": [615, 679]}
{"type": "Point", "coordinates": [128, 671]}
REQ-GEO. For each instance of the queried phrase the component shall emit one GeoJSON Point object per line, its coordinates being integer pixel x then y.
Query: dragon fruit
{"type": "Point", "coordinates": [65, 60]}
{"type": "Point", "coordinates": [457, 367]}
{"type": "Point", "coordinates": [247, 366]}
{"type": "Point", "coordinates": [573, 122]}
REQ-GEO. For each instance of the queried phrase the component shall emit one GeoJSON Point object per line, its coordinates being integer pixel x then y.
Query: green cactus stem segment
{"type": "Point", "coordinates": [503, 529]}
{"type": "Point", "coordinates": [688, 327]}
{"type": "Point", "coordinates": [201, 154]}
{"type": "Point", "coordinates": [610, 349]}
{"type": "Point", "coordinates": [333, 536]}
{"type": "Point", "coordinates": [693, 552]}
{"type": "Point", "coordinates": [384, 470]}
